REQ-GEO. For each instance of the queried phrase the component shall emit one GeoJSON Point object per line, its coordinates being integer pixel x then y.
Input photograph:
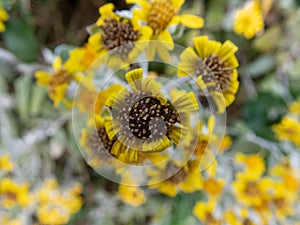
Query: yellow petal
{"type": "Point", "coordinates": [3, 14]}
{"type": "Point", "coordinates": [42, 77]}
{"type": "Point", "coordinates": [183, 101]}
{"type": "Point", "coordinates": [166, 36]}
{"type": "Point", "coordinates": [153, 87]}
{"type": "Point", "coordinates": [177, 3]}
{"type": "Point", "coordinates": [57, 63]}
{"type": "Point", "coordinates": [134, 78]}
{"type": "Point", "coordinates": [106, 9]}
{"type": "Point", "coordinates": [191, 21]}
{"type": "Point", "coordinates": [110, 129]}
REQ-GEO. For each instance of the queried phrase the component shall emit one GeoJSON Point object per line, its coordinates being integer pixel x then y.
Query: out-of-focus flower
{"type": "Point", "coordinates": [56, 82]}
{"type": "Point", "coordinates": [153, 119]}
{"type": "Point", "coordinates": [288, 130]}
{"type": "Point", "coordinates": [187, 178]}
{"type": "Point", "coordinates": [213, 186]}
{"type": "Point", "coordinates": [249, 21]}
{"type": "Point", "coordinates": [6, 165]}
{"type": "Point", "coordinates": [132, 195]}
{"type": "Point", "coordinates": [80, 59]}
{"type": "Point", "coordinates": [57, 205]}
{"type": "Point", "coordinates": [254, 163]}
{"type": "Point", "coordinates": [13, 194]}
{"type": "Point", "coordinates": [121, 34]}
{"type": "Point", "coordinates": [3, 17]}
{"type": "Point", "coordinates": [205, 212]}
{"type": "Point", "coordinates": [294, 107]}
{"type": "Point", "coordinates": [160, 15]}
{"type": "Point", "coordinates": [251, 190]}
{"type": "Point", "coordinates": [214, 64]}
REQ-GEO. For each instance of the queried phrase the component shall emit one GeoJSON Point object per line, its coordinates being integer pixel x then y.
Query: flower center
{"type": "Point", "coordinates": [118, 34]}
{"type": "Point", "coordinates": [280, 202]}
{"type": "Point", "coordinates": [11, 195]}
{"type": "Point", "coordinates": [221, 72]}
{"type": "Point", "coordinates": [148, 118]}
{"type": "Point", "coordinates": [179, 176]}
{"type": "Point", "coordinates": [160, 15]}
{"type": "Point", "coordinates": [252, 189]}
{"type": "Point", "coordinates": [59, 78]}
{"type": "Point", "coordinates": [210, 219]}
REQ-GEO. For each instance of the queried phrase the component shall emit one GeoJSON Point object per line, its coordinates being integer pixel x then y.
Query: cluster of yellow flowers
{"type": "Point", "coordinates": [50, 203]}
{"type": "Point", "coordinates": [255, 196]}
{"type": "Point", "coordinates": [288, 129]}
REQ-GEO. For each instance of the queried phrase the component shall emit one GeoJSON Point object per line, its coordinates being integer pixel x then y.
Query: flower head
{"type": "Point", "coordinates": [248, 21]}
{"type": "Point", "coordinates": [5, 163]}
{"type": "Point", "coordinates": [119, 35]}
{"type": "Point", "coordinates": [159, 15]}
{"type": "Point", "coordinates": [3, 17]}
{"type": "Point", "coordinates": [144, 119]}
{"type": "Point", "coordinates": [214, 66]}
{"type": "Point", "coordinates": [205, 212]}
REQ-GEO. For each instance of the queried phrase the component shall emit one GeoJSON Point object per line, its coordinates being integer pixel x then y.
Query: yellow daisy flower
{"type": "Point", "coordinates": [13, 194]}
{"type": "Point", "coordinates": [250, 190]}
{"type": "Point", "coordinates": [119, 35]}
{"type": "Point", "coordinates": [5, 164]}
{"type": "Point", "coordinates": [3, 17]}
{"type": "Point", "coordinates": [144, 119]}
{"type": "Point", "coordinates": [254, 163]}
{"type": "Point", "coordinates": [80, 59]}
{"type": "Point", "coordinates": [205, 212]}
{"type": "Point", "coordinates": [56, 82]}
{"type": "Point", "coordinates": [160, 15]}
{"type": "Point", "coordinates": [213, 186]}
{"type": "Point", "coordinates": [186, 178]}
{"type": "Point", "coordinates": [214, 66]}
{"type": "Point", "coordinates": [249, 21]}
{"type": "Point", "coordinates": [294, 107]}
{"type": "Point", "coordinates": [59, 203]}
{"type": "Point", "coordinates": [288, 130]}
{"type": "Point", "coordinates": [131, 195]}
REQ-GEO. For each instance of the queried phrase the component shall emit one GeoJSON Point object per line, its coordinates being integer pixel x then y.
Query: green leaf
{"type": "Point", "coordinates": [262, 65]}
{"type": "Point", "coordinates": [23, 89]}
{"type": "Point", "coordinates": [20, 39]}
{"type": "Point", "coordinates": [38, 97]}
{"type": "Point", "coordinates": [63, 51]}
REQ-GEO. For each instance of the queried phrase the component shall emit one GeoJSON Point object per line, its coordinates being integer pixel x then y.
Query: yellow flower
{"type": "Point", "coordinates": [214, 66]}
{"type": "Point", "coordinates": [288, 130]}
{"type": "Point", "coordinates": [249, 21]}
{"type": "Point", "coordinates": [294, 107]}
{"type": "Point", "coordinates": [213, 186]}
{"type": "Point", "coordinates": [154, 120]}
{"type": "Point", "coordinates": [160, 15]}
{"type": "Point", "coordinates": [186, 178]}
{"type": "Point", "coordinates": [204, 211]}
{"type": "Point", "coordinates": [13, 194]}
{"type": "Point", "coordinates": [57, 205]}
{"type": "Point", "coordinates": [226, 144]}
{"type": "Point", "coordinates": [3, 17]}
{"type": "Point", "coordinates": [119, 35]}
{"type": "Point", "coordinates": [250, 190]}
{"type": "Point", "coordinates": [132, 195]}
{"type": "Point", "coordinates": [56, 82]}
{"type": "Point", "coordinates": [5, 164]}
{"type": "Point", "coordinates": [80, 59]}
{"type": "Point", "coordinates": [254, 163]}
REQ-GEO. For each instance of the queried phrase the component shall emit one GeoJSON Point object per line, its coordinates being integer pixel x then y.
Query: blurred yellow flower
{"type": "Point", "coordinates": [251, 190]}
{"type": "Point", "coordinates": [13, 194]}
{"type": "Point", "coordinates": [213, 186]}
{"type": "Point", "coordinates": [249, 21]}
{"type": "Point", "coordinates": [131, 195]}
{"type": "Point", "coordinates": [56, 82]}
{"type": "Point", "coordinates": [204, 211]}
{"type": "Point", "coordinates": [254, 163]}
{"type": "Point", "coordinates": [188, 178]}
{"type": "Point", "coordinates": [214, 64]}
{"type": "Point", "coordinates": [55, 204]}
{"type": "Point", "coordinates": [119, 35]}
{"type": "Point", "coordinates": [294, 107]}
{"type": "Point", "coordinates": [288, 130]}
{"type": "Point", "coordinates": [3, 17]}
{"type": "Point", "coordinates": [5, 164]}
{"type": "Point", "coordinates": [160, 15]}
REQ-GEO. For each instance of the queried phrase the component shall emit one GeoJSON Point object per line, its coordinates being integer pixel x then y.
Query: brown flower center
{"type": "Point", "coordinates": [11, 195]}
{"type": "Point", "coordinates": [59, 78]}
{"type": "Point", "coordinates": [210, 219]}
{"type": "Point", "coordinates": [279, 202]}
{"type": "Point", "coordinates": [119, 34]}
{"type": "Point", "coordinates": [212, 65]}
{"type": "Point", "coordinates": [252, 189]}
{"type": "Point", "coordinates": [160, 15]}
{"type": "Point", "coordinates": [179, 176]}
{"type": "Point", "coordinates": [146, 116]}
